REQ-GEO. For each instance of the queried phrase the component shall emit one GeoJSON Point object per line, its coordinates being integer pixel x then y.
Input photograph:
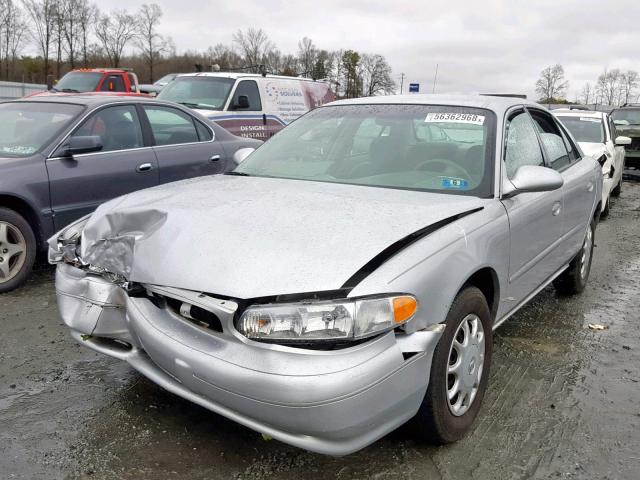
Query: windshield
{"type": "Point", "coordinates": [78, 82]}
{"type": "Point", "coordinates": [166, 79]}
{"type": "Point", "coordinates": [27, 127]}
{"type": "Point", "coordinates": [418, 147]}
{"type": "Point", "coordinates": [209, 93]}
{"type": "Point", "coordinates": [630, 115]}
{"type": "Point", "coordinates": [584, 129]}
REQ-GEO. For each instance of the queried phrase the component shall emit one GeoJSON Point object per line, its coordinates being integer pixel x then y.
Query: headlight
{"type": "Point", "coordinates": [63, 245]}
{"type": "Point", "coordinates": [327, 320]}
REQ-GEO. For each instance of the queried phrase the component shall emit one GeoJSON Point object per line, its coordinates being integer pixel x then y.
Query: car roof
{"type": "Point", "coordinates": [86, 99]}
{"type": "Point", "coordinates": [489, 102]}
{"type": "Point", "coordinates": [235, 75]}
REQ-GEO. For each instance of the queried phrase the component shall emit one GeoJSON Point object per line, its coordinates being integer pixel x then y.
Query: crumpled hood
{"type": "Point", "coordinates": [248, 237]}
{"type": "Point", "coordinates": [592, 149]}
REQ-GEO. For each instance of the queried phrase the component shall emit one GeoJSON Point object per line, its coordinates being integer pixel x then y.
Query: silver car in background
{"type": "Point", "coordinates": [347, 276]}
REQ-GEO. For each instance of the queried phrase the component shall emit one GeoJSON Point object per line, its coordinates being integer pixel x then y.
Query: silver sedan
{"type": "Point", "coordinates": [347, 276]}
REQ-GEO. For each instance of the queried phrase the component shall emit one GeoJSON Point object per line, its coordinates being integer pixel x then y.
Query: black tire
{"type": "Point", "coordinates": [14, 223]}
{"type": "Point", "coordinates": [607, 209]}
{"type": "Point", "coordinates": [573, 280]}
{"type": "Point", "coordinates": [435, 421]}
{"type": "Point", "coordinates": [617, 189]}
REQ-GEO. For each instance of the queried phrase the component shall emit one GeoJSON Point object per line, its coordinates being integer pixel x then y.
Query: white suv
{"type": "Point", "coordinates": [596, 135]}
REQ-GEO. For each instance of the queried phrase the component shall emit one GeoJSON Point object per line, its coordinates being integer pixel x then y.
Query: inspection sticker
{"type": "Point", "coordinates": [448, 182]}
{"type": "Point", "coordinates": [471, 118]}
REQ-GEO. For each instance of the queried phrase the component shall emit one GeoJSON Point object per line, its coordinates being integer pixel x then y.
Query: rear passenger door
{"type": "Point", "coordinates": [579, 180]}
{"type": "Point", "coordinates": [184, 146]}
{"type": "Point", "coordinates": [125, 163]}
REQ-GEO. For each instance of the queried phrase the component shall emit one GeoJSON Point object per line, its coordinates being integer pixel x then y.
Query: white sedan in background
{"type": "Point", "coordinates": [596, 135]}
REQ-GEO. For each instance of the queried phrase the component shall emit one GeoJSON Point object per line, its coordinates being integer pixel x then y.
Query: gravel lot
{"type": "Point", "coordinates": [563, 400]}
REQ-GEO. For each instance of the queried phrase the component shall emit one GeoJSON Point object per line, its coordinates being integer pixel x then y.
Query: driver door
{"type": "Point", "coordinates": [535, 218]}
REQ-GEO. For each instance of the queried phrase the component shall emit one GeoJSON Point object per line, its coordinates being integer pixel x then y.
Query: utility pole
{"type": "Point", "coordinates": [401, 82]}
{"type": "Point", "coordinates": [435, 79]}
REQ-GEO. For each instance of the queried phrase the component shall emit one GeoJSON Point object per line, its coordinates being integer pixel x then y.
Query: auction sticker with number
{"type": "Point", "coordinates": [471, 118]}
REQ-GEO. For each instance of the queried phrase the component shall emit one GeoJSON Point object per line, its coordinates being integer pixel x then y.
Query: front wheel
{"type": "Point", "coordinates": [459, 370]}
{"type": "Point", "coordinates": [574, 279]}
{"type": "Point", "coordinates": [17, 250]}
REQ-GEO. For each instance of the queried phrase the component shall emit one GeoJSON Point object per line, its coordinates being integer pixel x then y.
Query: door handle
{"type": "Point", "coordinates": [590, 187]}
{"type": "Point", "coordinates": [556, 209]}
{"type": "Point", "coordinates": [214, 158]}
{"type": "Point", "coordinates": [144, 167]}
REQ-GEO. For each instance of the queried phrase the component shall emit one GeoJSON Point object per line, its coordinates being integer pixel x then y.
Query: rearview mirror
{"type": "Point", "coordinates": [621, 123]}
{"type": "Point", "coordinates": [621, 141]}
{"type": "Point", "coordinates": [241, 102]}
{"type": "Point", "coordinates": [532, 178]}
{"type": "Point", "coordinates": [241, 154]}
{"type": "Point", "coordinates": [84, 144]}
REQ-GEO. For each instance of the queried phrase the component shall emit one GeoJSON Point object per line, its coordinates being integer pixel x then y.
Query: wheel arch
{"type": "Point", "coordinates": [23, 208]}
{"type": "Point", "coordinates": [486, 280]}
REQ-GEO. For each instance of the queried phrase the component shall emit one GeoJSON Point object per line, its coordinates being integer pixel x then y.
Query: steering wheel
{"type": "Point", "coordinates": [445, 167]}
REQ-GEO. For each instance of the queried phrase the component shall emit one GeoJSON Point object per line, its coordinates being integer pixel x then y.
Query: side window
{"type": "Point", "coordinates": [118, 127]}
{"type": "Point", "coordinates": [521, 144]}
{"type": "Point", "coordinates": [171, 126]}
{"type": "Point", "coordinates": [552, 140]}
{"type": "Point", "coordinates": [204, 133]}
{"type": "Point", "coordinates": [248, 88]}
{"type": "Point", "coordinates": [132, 81]}
{"type": "Point", "coordinates": [113, 83]}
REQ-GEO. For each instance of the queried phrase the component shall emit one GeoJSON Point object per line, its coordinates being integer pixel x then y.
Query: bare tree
{"type": "Point", "coordinates": [12, 28]}
{"type": "Point", "coordinates": [115, 31]}
{"type": "Point", "coordinates": [307, 54]}
{"type": "Point", "coordinates": [87, 14]}
{"type": "Point", "coordinates": [608, 86]}
{"type": "Point", "coordinates": [551, 85]}
{"type": "Point", "coordinates": [628, 84]}
{"type": "Point", "coordinates": [254, 45]}
{"type": "Point", "coordinates": [586, 93]}
{"type": "Point", "coordinates": [224, 56]}
{"type": "Point", "coordinates": [42, 16]}
{"type": "Point", "coordinates": [376, 75]}
{"type": "Point", "coordinates": [152, 45]}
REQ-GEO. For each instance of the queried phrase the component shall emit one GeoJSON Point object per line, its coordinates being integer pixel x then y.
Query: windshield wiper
{"type": "Point", "coordinates": [70, 90]}
{"type": "Point", "coordinates": [204, 106]}
{"type": "Point", "coordinates": [238, 174]}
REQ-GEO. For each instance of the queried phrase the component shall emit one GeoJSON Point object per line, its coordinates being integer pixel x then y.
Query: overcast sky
{"type": "Point", "coordinates": [479, 45]}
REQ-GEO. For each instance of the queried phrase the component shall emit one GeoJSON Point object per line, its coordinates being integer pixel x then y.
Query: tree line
{"type": "Point", "coordinates": [613, 87]}
{"type": "Point", "coordinates": [68, 34]}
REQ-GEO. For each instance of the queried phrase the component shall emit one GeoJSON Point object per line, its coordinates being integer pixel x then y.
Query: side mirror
{"type": "Point", "coordinates": [532, 178]}
{"type": "Point", "coordinates": [241, 102]}
{"type": "Point", "coordinates": [621, 141]}
{"type": "Point", "coordinates": [84, 144]}
{"type": "Point", "coordinates": [241, 154]}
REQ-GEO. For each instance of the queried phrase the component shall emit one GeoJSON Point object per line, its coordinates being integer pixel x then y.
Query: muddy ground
{"type": "Point", "coordinates": [563, 400]}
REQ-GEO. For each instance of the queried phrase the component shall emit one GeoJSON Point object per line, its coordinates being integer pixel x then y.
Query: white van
{"type": "Point", "coordinates": [248, 104]}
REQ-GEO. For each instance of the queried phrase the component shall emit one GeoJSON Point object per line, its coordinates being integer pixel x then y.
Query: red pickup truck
{"type": "Point", "coordinates": [114, 80]}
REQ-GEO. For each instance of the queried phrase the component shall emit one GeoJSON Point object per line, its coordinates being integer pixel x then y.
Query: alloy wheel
{"type": "Point", "coordinates": [465, 365]}
{"type": "Point", "coordinates": [13, 251]}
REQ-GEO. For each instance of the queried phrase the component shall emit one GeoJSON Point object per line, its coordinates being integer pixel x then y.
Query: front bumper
{"type": "Point", "coordinates": [332, 402]}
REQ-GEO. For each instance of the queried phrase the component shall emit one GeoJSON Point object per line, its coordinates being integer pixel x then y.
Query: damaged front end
{"type": "Point", "coordinates": [219, 352]}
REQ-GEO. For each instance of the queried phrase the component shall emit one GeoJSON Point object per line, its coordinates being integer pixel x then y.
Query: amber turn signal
{"type": "Point", "coordinates": [404, 308]}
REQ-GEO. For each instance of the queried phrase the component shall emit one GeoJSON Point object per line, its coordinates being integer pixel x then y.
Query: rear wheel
{"type": "Point", "coordinates": [459, 370]}
{"type": "Point", "coordinates": [574, 279]}
{"type": "Point", "coordinates": [17, 250]}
